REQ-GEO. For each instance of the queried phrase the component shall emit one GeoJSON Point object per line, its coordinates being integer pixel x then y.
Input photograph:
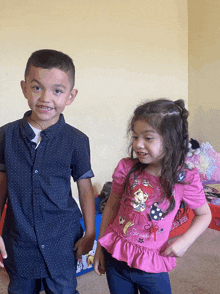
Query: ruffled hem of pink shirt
{"type": "Point", "coordinates": [135, 256]}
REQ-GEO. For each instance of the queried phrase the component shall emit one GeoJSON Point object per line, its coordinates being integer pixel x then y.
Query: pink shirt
{"type": "Point", "coordinates": [140, 232]}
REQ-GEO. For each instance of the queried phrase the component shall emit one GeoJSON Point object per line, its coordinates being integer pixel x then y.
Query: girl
{"type": "Point", "coordinates": [133, 244]}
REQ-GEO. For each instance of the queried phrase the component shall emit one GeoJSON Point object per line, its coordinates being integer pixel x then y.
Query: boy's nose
{"type": "Point", "coordinates": [45, 96]}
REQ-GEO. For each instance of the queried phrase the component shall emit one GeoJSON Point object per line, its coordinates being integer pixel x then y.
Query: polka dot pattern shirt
{"type": "Point", "coordinates": [43, 220]}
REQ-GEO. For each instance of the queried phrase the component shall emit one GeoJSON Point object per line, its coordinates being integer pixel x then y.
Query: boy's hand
{"type": "Point", "coordinates": [83, 245]}
{"type": "Point", "coordinates": [99, 261]}
{"type": "Point", "coordinates": [2, 251]}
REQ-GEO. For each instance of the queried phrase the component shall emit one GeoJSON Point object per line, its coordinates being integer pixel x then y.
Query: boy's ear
{"type": "Point", "coordinates": [23, 88]}
{"type": "Point", "coordinates": [72, 96]}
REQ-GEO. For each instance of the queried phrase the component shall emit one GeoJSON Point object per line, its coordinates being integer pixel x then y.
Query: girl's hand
{"type": "Point", "coordinates": [180, 244]}
{"type": "Point", "coordinates": [99, 261]}
{"type": "Point", "coordinates": [177, 247]}
{"type": "Point", "coordinates": [2, 251]}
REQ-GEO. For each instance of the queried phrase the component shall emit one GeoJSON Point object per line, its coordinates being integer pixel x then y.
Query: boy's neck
{"type": "Point", "coordinates": [42, 125]}
{"type": "Point", "coordinates": [35, 124]}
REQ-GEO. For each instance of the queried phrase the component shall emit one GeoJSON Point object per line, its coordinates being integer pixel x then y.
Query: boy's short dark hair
{"type": "Point", "coordinates": [48, 59]}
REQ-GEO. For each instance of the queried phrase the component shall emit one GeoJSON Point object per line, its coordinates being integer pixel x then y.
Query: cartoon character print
{"type": "Point", "coordinates": [121, 220]}
{"type": "Point", "coordinates": [142, 190]}
{"type": "Point", "coordinates": [156, 214]}
{"type": "Point", "coordinates": [181, 176]}
{"type": "Point", "coordinates": [90, 255]}
{"type": "Point", "coordinates": [87, 260]}
{"type": "Point", "coordinates": [127, 225]}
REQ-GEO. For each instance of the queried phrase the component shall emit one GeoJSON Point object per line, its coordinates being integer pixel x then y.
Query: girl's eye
{"type": "Point", "coordinates": [134, 137]}
{"type": "Point", "coordinates": [148, 139]}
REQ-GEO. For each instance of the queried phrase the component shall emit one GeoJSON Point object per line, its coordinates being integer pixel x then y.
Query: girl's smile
{"type": "Point", "coordinates": [142, 154]}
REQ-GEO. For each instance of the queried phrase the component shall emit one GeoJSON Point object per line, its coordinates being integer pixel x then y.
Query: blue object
{"type": "Point", "coordinates": [181, 176]}
{"type": "Point", "coordinates": [82, 265]}
{"type": "Point", "coordinates": [97, 204]}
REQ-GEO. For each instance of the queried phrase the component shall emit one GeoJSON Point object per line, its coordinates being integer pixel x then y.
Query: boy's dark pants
{"type": "Point", "coordinates": [65, 283]}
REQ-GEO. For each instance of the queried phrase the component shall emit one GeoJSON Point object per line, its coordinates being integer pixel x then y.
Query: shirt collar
{"type": "Point", "coordinates": [49, 133]}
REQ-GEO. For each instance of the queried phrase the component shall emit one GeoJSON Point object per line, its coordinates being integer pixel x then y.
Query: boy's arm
{"type": "Point", "coordinates": [3, 196]}
{"type": "Point", "coordinates": [199, 224]}
{"type": "Point", "coordinates": [87, 203]}
{"type": "Point", "coordinates": [3, 191]}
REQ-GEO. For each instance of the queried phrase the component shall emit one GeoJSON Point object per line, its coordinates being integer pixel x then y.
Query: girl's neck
{"type": "Point", "coordinates": [154, 170]}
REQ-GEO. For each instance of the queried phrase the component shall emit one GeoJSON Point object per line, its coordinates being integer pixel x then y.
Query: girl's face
{"type": "Point", "coordinates": [148, 145]}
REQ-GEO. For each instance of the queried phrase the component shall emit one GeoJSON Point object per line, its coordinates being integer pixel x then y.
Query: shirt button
{"type": "Point", "coordinates": [36, 171]}
{"type": "Point", "coordinates": [42, 246]}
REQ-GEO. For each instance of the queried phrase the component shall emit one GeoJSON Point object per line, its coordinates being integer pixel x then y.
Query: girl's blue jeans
{"type": "Point", "coordinates": [123, 279]}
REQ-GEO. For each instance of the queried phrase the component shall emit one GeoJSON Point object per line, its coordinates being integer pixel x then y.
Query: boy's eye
{"type": "Point", "coordinates": [134, 137]}
{"type": "Point", "coordinates": [57, 91]}
{"type": "Point", "coordinates": [37, 88]}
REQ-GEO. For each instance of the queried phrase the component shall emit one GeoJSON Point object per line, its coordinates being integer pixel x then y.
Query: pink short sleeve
{"type": "Point", "coordinates": [194, 195]}
{"type": "Point", "coordinates": [120, 174]}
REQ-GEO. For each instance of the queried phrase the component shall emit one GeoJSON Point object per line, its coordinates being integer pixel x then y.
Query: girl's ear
{"type": "Point", "coordinates": [23, 88]}
{"type": "Point", "coordinates": [72, 96]}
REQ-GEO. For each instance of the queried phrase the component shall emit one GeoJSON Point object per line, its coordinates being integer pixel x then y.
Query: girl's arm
{"type": "Point", "coordinates": [199, 224]}
{"type": "Point", "coordinates": [109, 214]}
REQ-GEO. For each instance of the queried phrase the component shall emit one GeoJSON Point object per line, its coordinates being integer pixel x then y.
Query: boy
{"type": "Point", "coordinates": [42, 236]}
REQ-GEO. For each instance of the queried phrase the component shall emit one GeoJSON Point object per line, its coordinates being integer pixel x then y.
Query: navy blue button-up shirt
{"type": "Point", "coordinates": [42, 222]}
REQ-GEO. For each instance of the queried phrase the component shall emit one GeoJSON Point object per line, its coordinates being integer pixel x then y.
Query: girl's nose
{"type": "Point", "coordinates": [140, 143]}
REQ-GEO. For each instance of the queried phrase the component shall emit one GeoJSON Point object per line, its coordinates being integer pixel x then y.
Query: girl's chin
{"type": "Point", "coordinates": [143, 161]}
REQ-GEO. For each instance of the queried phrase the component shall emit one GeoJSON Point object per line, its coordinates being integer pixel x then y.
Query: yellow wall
{"type": "Point", "coordinates": [124, 52]}
{"type": "Point", "coordinates": [204, 71]}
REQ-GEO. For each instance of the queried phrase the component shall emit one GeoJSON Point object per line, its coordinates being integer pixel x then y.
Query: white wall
{"type": "Point", "coordinates": [204, 71]}
{"type": "Point", "coordinates": [124, 52]}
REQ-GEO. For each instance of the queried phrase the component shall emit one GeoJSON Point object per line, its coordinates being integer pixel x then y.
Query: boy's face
{"type": "Point", "coordinates": [48, 91]}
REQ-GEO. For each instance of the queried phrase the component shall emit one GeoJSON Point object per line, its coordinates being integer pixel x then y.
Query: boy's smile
{"type": "Point", "coordinates": [48, 92]}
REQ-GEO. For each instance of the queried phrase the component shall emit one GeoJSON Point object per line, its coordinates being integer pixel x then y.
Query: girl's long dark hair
{"type": "Point", "coordinates": [170, 120]}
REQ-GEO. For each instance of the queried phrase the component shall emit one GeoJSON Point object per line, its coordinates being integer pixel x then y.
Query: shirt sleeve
{"type": "Point", "coordinates": [2, 148]}
{"type": "Point", "coordinates": [89, 174]}
{"type": "Point", "coordinates": [81, 168]}
{"type": "Point", "coordinates": [194, 195]}
{"type": "Point", "coordinates": [119, 175]}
